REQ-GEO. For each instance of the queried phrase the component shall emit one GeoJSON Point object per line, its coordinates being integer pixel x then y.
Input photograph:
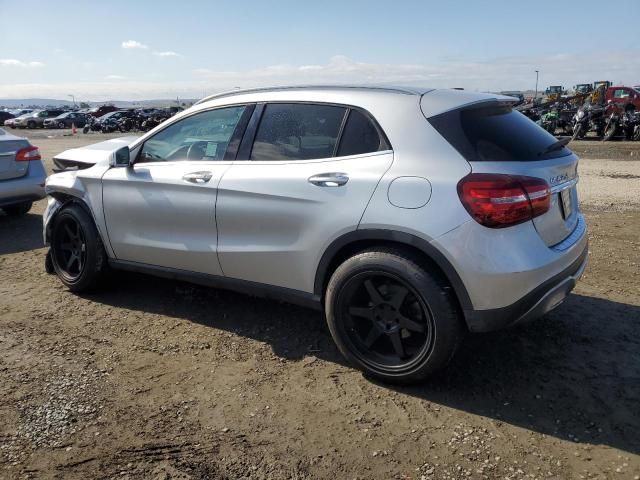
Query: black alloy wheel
{"type": "Point", "coordinates": [70, 249]}
{"type": "Point", "coordinates": [386, 322]}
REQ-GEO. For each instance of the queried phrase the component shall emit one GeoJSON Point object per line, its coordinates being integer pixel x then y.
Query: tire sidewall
{"type": "Point", "coordinates": [445, 320]}
{"type": "Point", "coordinates": [95, 259]}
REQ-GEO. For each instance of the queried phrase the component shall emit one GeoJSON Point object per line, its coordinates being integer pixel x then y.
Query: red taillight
{"type": "Point", "coordinates": [497, 201]}
{"type": "Point", "coordinates": [27, 154]}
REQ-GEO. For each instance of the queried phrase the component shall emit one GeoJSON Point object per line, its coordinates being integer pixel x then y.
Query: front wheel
{"type": "Point", "coordinates": [578, 132]}
{"type": "Point", "coordinates": [391, 317]}
{"type": "Point", "coordinates": [77, 253]}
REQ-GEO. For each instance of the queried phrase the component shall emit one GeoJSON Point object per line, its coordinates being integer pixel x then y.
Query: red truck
{"type": "Point", "coordinates": [624, 96]}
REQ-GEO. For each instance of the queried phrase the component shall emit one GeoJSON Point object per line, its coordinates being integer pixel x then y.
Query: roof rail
{"type": "Point", "coordinates": [402, 90]}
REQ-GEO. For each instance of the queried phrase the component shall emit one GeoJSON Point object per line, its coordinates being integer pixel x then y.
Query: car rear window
{"type": "Point", "coordinates": [496, 133]}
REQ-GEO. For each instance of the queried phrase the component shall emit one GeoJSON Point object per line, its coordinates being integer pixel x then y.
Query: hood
{"type": "Point", "coordinates": [85, 157]}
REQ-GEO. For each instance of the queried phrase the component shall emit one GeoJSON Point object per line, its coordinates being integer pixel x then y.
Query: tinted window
{"type": "Point", "coordinates": [203, 136]}
{"type": "Point", "coordinates": [496, 133]}
{"type": "Point", "coordinates": [359, 136]}
{"type": "Point", "coordinates": [297, 132]}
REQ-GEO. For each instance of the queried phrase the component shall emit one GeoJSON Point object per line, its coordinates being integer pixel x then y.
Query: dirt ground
{"type": "Point", "coordinates": [152, 378]}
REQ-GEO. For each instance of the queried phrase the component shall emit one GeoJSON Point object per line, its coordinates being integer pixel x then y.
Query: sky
{"type": "Point", "coordinates": [134, 50]}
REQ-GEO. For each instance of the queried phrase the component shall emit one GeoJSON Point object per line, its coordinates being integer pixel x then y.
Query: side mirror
{"type": "Point", "coordinates": [121, 157]}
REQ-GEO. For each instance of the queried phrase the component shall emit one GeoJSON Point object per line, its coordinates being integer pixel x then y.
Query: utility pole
{"type": "Point", "coordinates": [536, 94]}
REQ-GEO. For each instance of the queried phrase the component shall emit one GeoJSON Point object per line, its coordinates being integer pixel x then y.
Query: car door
{"type": "Point", "coordinates": [161, 210]}
{"type": "Point", "coordinates": [302, 184]}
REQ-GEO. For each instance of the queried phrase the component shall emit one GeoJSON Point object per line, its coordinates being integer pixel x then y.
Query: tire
{"type": "Point", "coordinates": [577, 132]}
{"type": "Point", "coordinates": [609, 132]}
{"type": "Point", "coordinates": [85, 129]}
{"type": "Point", "coordinates": [61, 125]}
{"type": "Point", "coordinates": [18, 209]}
{"type": "Point", "coordinates": [31, 125]}
{"type": "Point", "coordinates": [382, 297]}
{"type": "Point", "coordinates": [77, 252]}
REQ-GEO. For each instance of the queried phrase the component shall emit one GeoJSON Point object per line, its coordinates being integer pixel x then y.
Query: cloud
{"type": "Point", "coordinates": [115, 77]}
{"type": "Point", "coordinates": [133, 44]}
{"type": "Point", "coordinates": [167, 54]}
{"type": "Point", "coordinates": [12, 62]}
{"type": "Point", "coordinates": [504, 73]}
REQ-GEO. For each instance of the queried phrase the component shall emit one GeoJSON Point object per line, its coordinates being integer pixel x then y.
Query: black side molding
{"type": "Point", "coordinates": [255, 289]}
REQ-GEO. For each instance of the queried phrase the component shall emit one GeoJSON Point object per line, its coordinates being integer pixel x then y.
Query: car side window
{"type": "Point", "coordinates": [359, 136]}
{"type": "Point", "coordinates": [203, 136]}
{"type": "Point", "coordinates": [297, 131]}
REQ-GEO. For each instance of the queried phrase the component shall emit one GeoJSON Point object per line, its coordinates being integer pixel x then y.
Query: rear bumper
{"type": "Point", "coordinates": [24, 189]}
{"type": "Point", "coordinates": [541, 300]}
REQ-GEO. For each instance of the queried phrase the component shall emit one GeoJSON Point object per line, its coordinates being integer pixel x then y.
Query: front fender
{"type": "Point", "coordinates": [53, 205]}
{"type": "Point", "coordinates": [83, 187]}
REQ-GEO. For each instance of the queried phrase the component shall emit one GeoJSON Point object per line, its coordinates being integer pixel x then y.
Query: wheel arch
{"type": "Point", "coordinates": [359, 240]}
{"type": "Point", "coordinates": [66, 199]}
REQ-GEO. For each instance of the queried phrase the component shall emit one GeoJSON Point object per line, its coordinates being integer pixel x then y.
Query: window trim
{"type": "Point", "coordinates": [237, 133]}
{"type": "Point", "coordinates": [246, 145]}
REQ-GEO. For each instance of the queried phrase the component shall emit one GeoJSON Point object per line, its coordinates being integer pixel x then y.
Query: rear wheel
{"type": "Point", "coordinates": [17, 209]}
{"type": "Point", "coordinates": [31, 125]}
{"type": "Point", "coordinates": [609, 131]}
{"type": "Point", "coordinates": [391, 317]}
{"type": "Point", "coordinates": [77, 252]}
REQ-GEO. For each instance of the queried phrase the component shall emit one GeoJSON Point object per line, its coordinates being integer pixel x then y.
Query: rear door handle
{"type": "Point", "coordinates": [329, 179]}
{"type": "Point", "coordinates": [198, 177]}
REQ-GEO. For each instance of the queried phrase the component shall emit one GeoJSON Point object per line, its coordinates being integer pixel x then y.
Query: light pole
{"type": "Point", "coordinates": [535, 97]}
{"type": "Point", "coordinates": [73, 98]}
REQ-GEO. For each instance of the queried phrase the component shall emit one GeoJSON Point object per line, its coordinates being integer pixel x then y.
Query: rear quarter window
{"type": "Point", "coordinates": [360, 136]}
{"type": "Point", "coordinates": [496, 133]}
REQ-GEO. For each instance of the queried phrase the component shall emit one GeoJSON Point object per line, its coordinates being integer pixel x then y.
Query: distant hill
{"type": "Point", "coordinates": [52, 102]}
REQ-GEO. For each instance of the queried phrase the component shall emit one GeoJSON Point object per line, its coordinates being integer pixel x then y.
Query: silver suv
{"type": "Point", "coordinates": [409, 216]}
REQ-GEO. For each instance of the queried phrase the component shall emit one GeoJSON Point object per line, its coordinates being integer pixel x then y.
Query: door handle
{"type": "Point", "coordinates": [197, 177]}
{"type": "Point", "coordinates": [329, 179]}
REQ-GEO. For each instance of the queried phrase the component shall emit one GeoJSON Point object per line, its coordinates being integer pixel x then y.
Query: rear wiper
{"type": "Point", "coordinates": [555, 146]}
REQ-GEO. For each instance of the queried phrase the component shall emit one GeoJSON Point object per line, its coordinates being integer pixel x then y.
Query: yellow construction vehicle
{"type": "Point", "coordinates": [554, 93]}
{"type": "Point", "coordinates": [599, 91]}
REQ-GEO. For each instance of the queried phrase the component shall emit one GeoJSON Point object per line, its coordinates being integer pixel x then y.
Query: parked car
{"type": "Point", "coordinates": [4, 116]}
{"type": "Point", "coordinates": [102, 110]}
{"type": "Point", "coordinates": [409, 216]}
{"type": "Point", "coordinates": [12, 121]}
{"type": "Point", "coordinates": [36, 119]}
{"type": "Point", "coordinates": [22, 174]}
{"type": "Point", "coordinates": [9, 122]}
{"type": "Point", "coordinates": [66, 120]}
